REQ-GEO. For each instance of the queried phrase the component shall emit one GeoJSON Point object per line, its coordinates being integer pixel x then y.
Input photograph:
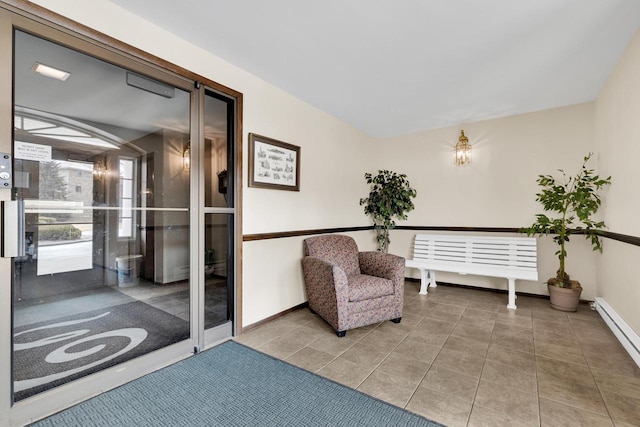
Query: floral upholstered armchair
{"type": "Point", "coordinates": [348, 288]}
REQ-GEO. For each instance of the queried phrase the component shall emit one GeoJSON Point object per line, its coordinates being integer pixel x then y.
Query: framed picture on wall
{"type": "Point", "coordinates": [273, 164]}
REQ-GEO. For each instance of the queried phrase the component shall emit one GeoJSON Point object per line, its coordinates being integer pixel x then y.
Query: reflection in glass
{"type": "Point", "coordinates": [106, 270]}
{"type": "Point", "coordinates": [218, 270]}
{"type": "Point", "coordinates": [216, 148]}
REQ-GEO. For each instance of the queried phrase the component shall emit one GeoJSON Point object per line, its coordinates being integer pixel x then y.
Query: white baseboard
{"type": "Point", "coordinates": [627, 336]}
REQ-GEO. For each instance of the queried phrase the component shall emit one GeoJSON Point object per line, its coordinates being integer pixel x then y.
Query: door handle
{"type": "Point", "coordinates": [13, 243]}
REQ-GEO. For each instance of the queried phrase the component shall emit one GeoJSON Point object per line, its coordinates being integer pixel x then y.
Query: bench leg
{"type": "Point", "coordinates": [424, 281]}
{"type": "Point", "coordinates": [512, 294]}
{"type": "Point", "coordinates": [432, 279]}
{"type": "Point", "coordinates": [427, 279]}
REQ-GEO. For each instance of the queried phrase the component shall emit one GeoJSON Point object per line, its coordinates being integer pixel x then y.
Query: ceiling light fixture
{"type": "Point", "coordinates": [463, 150]}
{"type": "Point", "coordinates": [52, 72]}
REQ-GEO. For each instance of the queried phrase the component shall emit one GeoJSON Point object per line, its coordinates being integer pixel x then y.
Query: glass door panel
{"type": "Point", "coordinates": [99, 154]}
{"type": "Point", "coordinates": [217, 161]}
{"type": "Point", "coordinates": [218, 270]}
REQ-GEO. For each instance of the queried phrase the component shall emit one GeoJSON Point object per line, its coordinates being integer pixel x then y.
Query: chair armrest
{"type": "Point", "coordinates": [325, 281]}
{"type": "Point", "coordinates": [380, 264]}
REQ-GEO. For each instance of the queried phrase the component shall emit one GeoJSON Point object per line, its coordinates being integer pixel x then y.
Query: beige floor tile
{"type": "Point", "coordinates": [486, 324]}
{"type": "Point", "coordinates": [417, 349]}
{"type": "Point", "coordinates": [553, 325]}
{"type": "Point", "coordinates": [519, 359]}
{"type": "Point", "coordinates": [471, 332]}
{"type": "Point", "coordinates": [482, 417]}
{"type": "Point", "coordinates": [365, 354]}
{"type": "Point", "coordinates": [555, 414]}
{"type": "Point", "coordinates": [596, 338]}
{"type": "Point", "coordinates": [613, 361]}
{"type": "Point", "coordinates": [513, 343]}
{"type": "Point", "coordinates": [553, 370]}
{"type": "Point", "coordinates": [407, 368]}
{"type": "Point", "coordinates": [443, 316]}
{"type": "Point", "coordinates": [393, 328]}
{"type": "Point", "coordinates": [609, 382]}
{"type": "Point", "coordinates": [453, 305]}
{"type": "Point", "coordinates": [346, 372]}
{"type": "Point", "coordinates": [310, 359]}
{"type": "Point", "coordinates": [623, 408]}
{"type": "Point", "coordinates": [566, 339]}
{"type": "Point", "coordinates": [460, 362]}
{"type": "Point", "coordinates": [508, 402]}
{"type": "Point", "coordinates": [442, 408]}
{"type": "Point", "coordinates": [577, 395]}
{"type": "Point", "coordinates": [411, 320]}
{"type": "Point", "coordinates": [471, 346]}
{"type": "Point", "coordinates": [511, 331]}
{"type": "Point", "coordinates": [514, 320]}
{"type": "Point", "coordinates": [436, 325]}
{"type": "Point", "coordinates": [452, 383]}
{"type": "Point", "coordinates": [333, 345]}
{"type": "Point", "coordinates": [510, 376]}
{"type": "Point", "coordinates": [426, 335]}
{"type": "Point", "coordinates": [520, 311]}
{"type": "Point", "coordinates": [284, 346]}
{"type": "Point", "coordinates": [479, 314]}
{"type": "Point", "coordinates": [589, 324]}
{"type": "Point", "coordinates": [485, 306]}
{"type": "Point", "coordinates": [383, 341]}
{"type": "Point", "coordinates": [389, 387]}
{"type": "Point", "coordinates": [559, 352]}
{"type": "Point", "coordinates": [545, 312]}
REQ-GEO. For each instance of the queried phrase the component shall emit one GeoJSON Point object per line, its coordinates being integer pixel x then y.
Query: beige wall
{"type": "Point", "coordinates": [498, 188]}
{"type": "Point", "coordinates": [617, 136]}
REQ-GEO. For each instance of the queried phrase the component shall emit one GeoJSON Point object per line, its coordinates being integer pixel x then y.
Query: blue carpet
{"type": "Point", "coordinates": [232, 385]}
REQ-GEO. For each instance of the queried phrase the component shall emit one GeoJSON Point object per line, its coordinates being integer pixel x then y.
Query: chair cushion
{"type": "Point", "coordinates": [338, 249]}
{"type": "Point", "coordinates": [363, 287]}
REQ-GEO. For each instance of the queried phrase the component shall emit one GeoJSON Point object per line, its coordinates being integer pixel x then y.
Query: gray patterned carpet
{"type": "Point", "coordinates": [48, 354]}
{"type": "Point", "coordinates": [232, 385]}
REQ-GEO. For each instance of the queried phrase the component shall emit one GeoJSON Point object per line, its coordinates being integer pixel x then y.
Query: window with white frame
{"type": "Point", "coordinates": [126, 219]}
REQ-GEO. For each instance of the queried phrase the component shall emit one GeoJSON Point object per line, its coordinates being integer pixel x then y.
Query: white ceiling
{"type": "Point", "coordinates": [392, 67]}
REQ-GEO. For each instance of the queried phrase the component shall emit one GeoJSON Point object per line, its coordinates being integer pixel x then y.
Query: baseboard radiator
{"type": "Point", "coordinates": [629, 339]}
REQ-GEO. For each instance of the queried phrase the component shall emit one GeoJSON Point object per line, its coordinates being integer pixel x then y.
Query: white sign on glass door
{"type": "Point", "coordinates": [28, 151]}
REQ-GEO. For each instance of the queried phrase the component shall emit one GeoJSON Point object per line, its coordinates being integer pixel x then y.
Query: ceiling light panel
{"type": "Point", "coordinates": [51, 72]}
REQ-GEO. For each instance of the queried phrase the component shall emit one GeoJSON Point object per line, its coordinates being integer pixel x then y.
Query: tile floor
{"type": "Point", "coordinates": [461, 358]}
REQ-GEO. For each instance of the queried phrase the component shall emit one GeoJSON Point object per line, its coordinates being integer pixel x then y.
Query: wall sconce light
{"type": "Point", "coordinates": [99, 170]}
{"type": "Point", "coordinates": [186, 157]}
{"type": "Point", "coordinates": [463, 150]}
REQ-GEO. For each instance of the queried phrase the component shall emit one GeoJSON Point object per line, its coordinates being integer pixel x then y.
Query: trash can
{"type": "Point", "coordinates": [128, 267]}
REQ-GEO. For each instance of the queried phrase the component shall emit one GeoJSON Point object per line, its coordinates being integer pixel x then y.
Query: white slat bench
{"type": "Point", "coordinates": [509, 257]}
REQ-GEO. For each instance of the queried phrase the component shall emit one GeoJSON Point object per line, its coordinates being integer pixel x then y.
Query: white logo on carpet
{"type": "Point", "coordinates": [60, 355]}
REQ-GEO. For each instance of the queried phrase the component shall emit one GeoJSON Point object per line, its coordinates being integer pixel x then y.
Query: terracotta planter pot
{"type": "Point", "coordinates": [564, 299]}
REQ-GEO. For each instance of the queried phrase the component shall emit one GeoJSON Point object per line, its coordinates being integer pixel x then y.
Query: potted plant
{"type": "Point", "coordinates": [389, 199]}
{"type": "Point", "coordinates": [574, 200]}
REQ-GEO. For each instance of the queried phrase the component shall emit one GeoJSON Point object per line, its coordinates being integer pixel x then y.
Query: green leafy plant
{"type": "Point", "coordinates": [389, 199]}
{"type": "Point", "coordinates": [575, 200]}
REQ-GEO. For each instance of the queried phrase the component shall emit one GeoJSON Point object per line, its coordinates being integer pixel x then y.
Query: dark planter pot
{"type": "Point", "coordinates": [564, 299]}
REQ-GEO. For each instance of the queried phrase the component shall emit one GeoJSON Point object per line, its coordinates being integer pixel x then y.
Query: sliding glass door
{"type": "Point", "coordinates": [219, 212]}
{"type": "Point", "coordinates": [122, 243]}
{"type": "Point", "coordinates": [99, 173]}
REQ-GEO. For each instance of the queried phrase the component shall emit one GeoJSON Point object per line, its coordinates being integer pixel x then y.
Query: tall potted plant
{"type": "Point", "coordinates": [389, 199]}
{"type": "Point", "coordinates": [574, 200]}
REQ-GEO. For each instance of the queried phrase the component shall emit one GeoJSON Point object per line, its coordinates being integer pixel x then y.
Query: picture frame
{"type": "Point", "coordinates": [273, 164]}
